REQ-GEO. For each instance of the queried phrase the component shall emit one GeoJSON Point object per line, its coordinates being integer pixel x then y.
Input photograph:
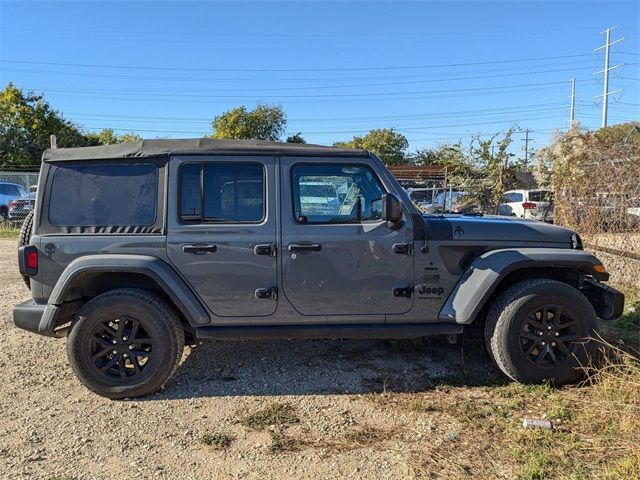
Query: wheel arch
{"type": "Point", "coordinates": [493, 271]}
{"type": "Point", "coordinates": [91, 275]}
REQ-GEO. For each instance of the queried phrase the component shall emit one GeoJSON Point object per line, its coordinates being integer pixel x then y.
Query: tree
{"type": "Point", "coordinates": [297, 138]}
{"type": "Point", "coordinates": [109, 137]}
{"type": "Point", "coordinates": [451, 156]}
{"type": "Point", "coordinates": [265, 122]}
{"type": "Point", "coordinates": [594, 175]}
{"type": "Point", "coordinates": [571, 151]}
{"type": "Point", "coordinates": [494, 173]}
{"type": "Point", "coordinates": [26, 122]}
{"type": "Point", "coordinates": [388, 144]}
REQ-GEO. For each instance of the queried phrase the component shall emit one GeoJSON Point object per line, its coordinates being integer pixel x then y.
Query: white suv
{"type": "Point", "coordinates": [536, 204]}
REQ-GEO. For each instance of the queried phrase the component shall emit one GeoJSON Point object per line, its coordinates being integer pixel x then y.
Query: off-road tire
{"type": "Point", "coordinates": [159, 321]}
{"type": "Point", "coordinates": [512, 309]}
{"type": "Point", "coordinates": [24, 238]}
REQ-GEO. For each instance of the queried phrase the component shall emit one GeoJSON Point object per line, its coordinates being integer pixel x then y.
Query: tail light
{"type": "Point", "coordinates": [529, 206]}
{"type": "Point", "coordinates": [28, 260]}
{"type": "Point", "coordinates": [12, 203]}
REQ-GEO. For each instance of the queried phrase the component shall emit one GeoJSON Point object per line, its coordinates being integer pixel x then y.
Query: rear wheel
{"type": "Point", "coordinates": [125, 343]}
{"type": "Point", "coordinates": [539, 330]}
{"type": "Point", "coordinates": [25, 237]}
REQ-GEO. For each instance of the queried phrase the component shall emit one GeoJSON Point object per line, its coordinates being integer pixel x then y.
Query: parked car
{"type": "Point", "coordinates": [536, 204]}
{"type": "Point", "coordinates": [430, 200]}
{"type": "Point", "coordinates": [10, 192]}
{"type": "Point", "coordinates": [182, 257]}
{"type": "Point", "coordinates": [20, 207]}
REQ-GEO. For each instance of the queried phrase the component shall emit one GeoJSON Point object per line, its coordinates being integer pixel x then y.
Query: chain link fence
{"type": "Point", "coordinates": [426, 186]}
{"type": "Point", "coordinates": [598, 195]}
{"type": "Point", "coordinates": [17, 196]}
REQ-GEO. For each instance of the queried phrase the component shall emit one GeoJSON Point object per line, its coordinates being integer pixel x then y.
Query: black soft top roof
{"type": "Point", "coordinates": [195, 146]}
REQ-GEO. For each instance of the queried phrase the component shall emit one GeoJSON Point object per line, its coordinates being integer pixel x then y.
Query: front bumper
{"type": "Point", "coordinates": [37, 318]}
{"type": "Point", "coordinates": [607, 302]}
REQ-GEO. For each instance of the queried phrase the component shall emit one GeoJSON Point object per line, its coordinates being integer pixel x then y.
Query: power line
{"type": "Point", "coordinates": [381, 84]}
{"type": "Point", "coordinates": [410, 117]}
{"type": "Point", "coordinates": [333, 95]}
{"type": "Point", "coordinates": [338, 69]}
{"type": "Point", "coordinates": [323, 79]}
{"type": "Point", "coordinates": [351, 131]}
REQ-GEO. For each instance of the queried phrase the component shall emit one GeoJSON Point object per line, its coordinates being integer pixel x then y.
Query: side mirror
{"type": "Point", "coordinates": [392, 210]}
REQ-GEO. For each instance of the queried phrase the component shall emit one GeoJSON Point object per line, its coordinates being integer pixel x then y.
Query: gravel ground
{"type": "Point", "coordinates": [52, 427]}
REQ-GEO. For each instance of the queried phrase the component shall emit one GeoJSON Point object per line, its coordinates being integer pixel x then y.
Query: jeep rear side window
{"type": "Point", "coordinates": [104, 195]}
{"type": "Point", "coordinates": [336, 194]}
{"type": "Point", "coordinates": [233, 193]}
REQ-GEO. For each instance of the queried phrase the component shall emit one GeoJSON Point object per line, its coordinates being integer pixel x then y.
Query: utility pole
{"type": "Point", "coordinates": [607, 69]}
{"type": "Point", "coordinates": [526, 147]}
{"type": "Point", "coordinates": [572, 113]}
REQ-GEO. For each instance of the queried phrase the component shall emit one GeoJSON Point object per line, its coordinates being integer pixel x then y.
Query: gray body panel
{"type": "Point", "coordinates": [356, 269]}
{"type": "Point", "coordinates": [227, 279]}
{"type": "Point", "coordinates": [484, 274]}
{"type": "Point", "coordinates": [157, 270]}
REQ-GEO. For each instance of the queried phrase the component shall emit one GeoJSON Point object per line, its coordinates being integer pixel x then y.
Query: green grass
{"type": "Point", "coordinates": [9, 232]}
{"type": "Point", "coordinates": [217, 440]}
{"type": "Point", "coordinates": [630, 318]}
{"type": "Point", "coordinates": [276, 414]}
{"type": "Point", "coordinates": [626, 329]}
{"type": "Point", "coordinates": [282, 443]}
{"type": "Point", "coordinates": [366, 436]}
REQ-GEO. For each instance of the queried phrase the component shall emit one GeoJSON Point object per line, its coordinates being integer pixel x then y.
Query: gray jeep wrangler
{"type": "Point", "coordinates": [136, 249]}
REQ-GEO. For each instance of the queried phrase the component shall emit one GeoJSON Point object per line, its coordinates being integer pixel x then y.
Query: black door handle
{"type": "Point", "coordinates": [304, 247]}
{"type": "Point", "coordinates": [199, 249]}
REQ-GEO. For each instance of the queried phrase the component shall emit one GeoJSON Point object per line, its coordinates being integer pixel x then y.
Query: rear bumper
{"type": "Point", "coordinates": [37, 318]}
{"type": "Point", "coordinates": [607, 302]}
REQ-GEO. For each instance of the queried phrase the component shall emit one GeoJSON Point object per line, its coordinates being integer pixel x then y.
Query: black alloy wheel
{"type": "Point", "coordinates": [121, 347]}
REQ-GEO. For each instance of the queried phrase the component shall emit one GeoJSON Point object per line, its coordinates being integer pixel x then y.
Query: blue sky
{"type": "Point", "coordinates": [435, 71]}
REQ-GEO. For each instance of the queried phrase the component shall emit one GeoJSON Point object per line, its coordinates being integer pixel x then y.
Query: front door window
{"type": "Point", "coordinates": [336, 194]}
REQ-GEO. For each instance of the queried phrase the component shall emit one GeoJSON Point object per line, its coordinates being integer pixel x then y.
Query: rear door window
{"type": "Point", "coordinates": [104, 195]}
{"type": "Point", "coordinates": [222, 193]}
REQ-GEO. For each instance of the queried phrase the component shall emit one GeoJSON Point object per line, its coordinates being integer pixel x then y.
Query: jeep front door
{"type": "Point", "coordinates": [338, 256]}
{"type": "Point", "coordinates": [222, 232]}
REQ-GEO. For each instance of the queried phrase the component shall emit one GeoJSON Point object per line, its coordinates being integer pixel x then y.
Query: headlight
{"type": "Point", "coordinates": [576, 242]}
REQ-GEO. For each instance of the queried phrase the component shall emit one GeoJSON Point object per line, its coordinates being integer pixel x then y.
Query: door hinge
{"type": "Point", "coordinates": [403, 291]}
{"type": "Point", "coordinates": [269, 249]}
{"type": "Point", "coordinates": [403, 248]}
{"type": "Point", "coordinates": [266, 293]}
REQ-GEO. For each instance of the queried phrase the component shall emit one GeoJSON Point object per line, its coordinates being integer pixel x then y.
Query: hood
{"type": "Point", "coordinates": [497, 229]}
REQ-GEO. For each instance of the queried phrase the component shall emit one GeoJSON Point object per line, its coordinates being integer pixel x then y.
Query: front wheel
{"type": "Point", "coordinates": [125, 343]}
{"type": "Point", "coordinates": [539, 330]}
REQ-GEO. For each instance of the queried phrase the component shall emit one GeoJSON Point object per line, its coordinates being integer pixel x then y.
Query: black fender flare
{"type": "Point", "coordinates": [174, 287]}
{"type": "Point", "coordinates": [481, 278]}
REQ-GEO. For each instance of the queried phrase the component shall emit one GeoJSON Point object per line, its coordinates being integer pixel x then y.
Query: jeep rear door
{"type": "Point", "coordinates": [222, 231]}
{"type": "Point", "coordinates": [339, 258]}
